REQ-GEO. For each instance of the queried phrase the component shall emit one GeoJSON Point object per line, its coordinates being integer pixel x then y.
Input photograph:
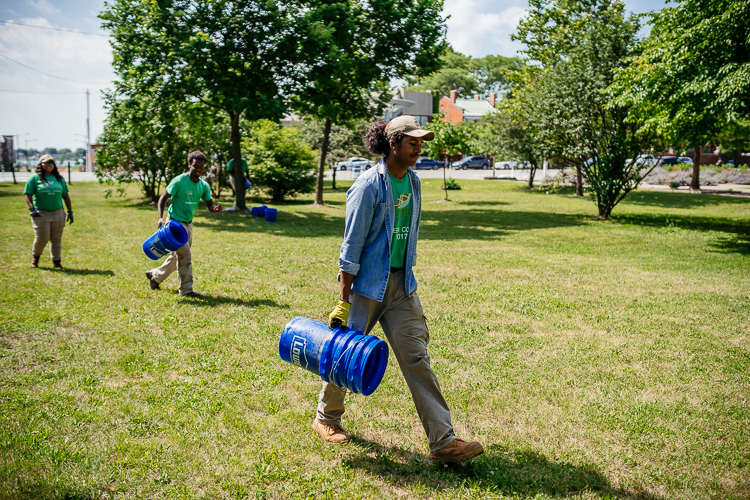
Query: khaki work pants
{"type": "Point", "coordinates": [182, 260]}
{"type": "Point", "coordinates": [404, 325]}
{"type": "Point", "coordinates": [48, 227]}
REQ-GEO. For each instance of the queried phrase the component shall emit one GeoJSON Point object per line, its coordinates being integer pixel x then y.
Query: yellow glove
{"type": "Point", "coordinates": [340, 315]}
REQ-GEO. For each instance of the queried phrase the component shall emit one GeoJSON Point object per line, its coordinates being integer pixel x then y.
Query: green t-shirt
{"type": "Point", "coordinates": [47, 192]}
{"type": "Point", "coordinates": [186, 195]}
{"type": "Point", "coordinates": [230, 166]}
{"type": "Point", "coordinates": [402, 200]}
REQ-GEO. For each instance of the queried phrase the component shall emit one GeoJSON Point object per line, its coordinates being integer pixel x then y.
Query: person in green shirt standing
{"type": "Point", "coordinates": [186, 191]}
{"type": "Point", "coordinates": [45, 192]}
{"type": "Point", "coordinates": [230, 171]}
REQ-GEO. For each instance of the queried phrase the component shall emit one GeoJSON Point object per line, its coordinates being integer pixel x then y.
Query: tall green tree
{"type": "Point", "coordinates": [693, 75]}
{"type": "Point", "coordinates": [355, 49]}
{"type": "Point", "coordinates": [231, 55]}
{"type": "Point", "coordinates": [517, 134]}
{"type": "Point", "coordinates": [450, 139]}
{"type": "Point", "coordinates": [467, 75]}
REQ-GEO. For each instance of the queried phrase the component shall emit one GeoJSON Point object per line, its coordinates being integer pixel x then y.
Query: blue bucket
{"type": "Point", "coordinates": [168, 238]}
{"type": "Point", "coordinates": [271, 214]}
{"type": "Point", "coordinates": [259, 210]}
{"type": "Point", "coordinates": [246, 182]}
{"type": "Point", "coordinates": [344, 357]}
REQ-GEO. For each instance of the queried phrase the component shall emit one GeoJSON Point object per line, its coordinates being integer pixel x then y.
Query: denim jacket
{"type": "Point", "coordinates": [366, 250]}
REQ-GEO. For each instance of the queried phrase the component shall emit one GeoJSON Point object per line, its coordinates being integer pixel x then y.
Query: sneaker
{"type": "Point", "coordinates": [154, 284]}
{"type": "Point", "coordinates": [194, 295]}
{"type": "Point", "coordinates": [330, 433]}
{"type": "Point", "coordinates": [457, 451]}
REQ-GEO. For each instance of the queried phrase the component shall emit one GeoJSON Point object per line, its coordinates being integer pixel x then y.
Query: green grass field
{"type": "Point", "coordinates": [593, 359]}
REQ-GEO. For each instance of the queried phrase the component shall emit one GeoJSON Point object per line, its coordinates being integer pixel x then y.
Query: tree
{"type": "Point", "coordinates": [280, 160]}
{"type": "Point", "coordinates": [449, 140]}
{"type": "Point", "coordinates": [357, 49]}
{"type": "Point", "coordinates": [734, 138]}
{"type": "Point", "coordinates": [466, 75]}
{"type": "Point", "coordinates": [142, 142]}
{"type": "Point", "coordinates": [229, 55]}
{"type": "Point", "coordinates": [693, 74]}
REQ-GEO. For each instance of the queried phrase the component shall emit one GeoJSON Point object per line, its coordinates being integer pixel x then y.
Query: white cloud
{"type": "Point", "coordinates": [53, 119]}
{"type": "Point", "coordinates": [43, 6]}
{"type": "Point", "coordinates": [482, 27]}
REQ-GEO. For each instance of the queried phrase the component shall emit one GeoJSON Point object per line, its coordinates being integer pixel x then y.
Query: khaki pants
{"type": "Point", "coordinates": [48, 227]}
{"type": "Point", "coordinates": [403, 323]}
{"type": "Point", "coordinates": [181, 260]}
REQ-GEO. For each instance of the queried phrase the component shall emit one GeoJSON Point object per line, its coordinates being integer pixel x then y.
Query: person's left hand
{"type": "Point", "coordinates": [70, 217]}
{"type": "Point", "coordinates": [216, 209]}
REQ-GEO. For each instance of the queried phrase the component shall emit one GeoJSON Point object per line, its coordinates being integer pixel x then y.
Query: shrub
{"type": "Point", "coordinates": [280, 160]}
{"type": "Point", "coordinates": [451, 183]}
{"type": "Point", "coordinates": [674, 184]}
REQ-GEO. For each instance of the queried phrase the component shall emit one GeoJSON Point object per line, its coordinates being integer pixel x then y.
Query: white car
{"type": "Point", "coordinates": [353, 162]}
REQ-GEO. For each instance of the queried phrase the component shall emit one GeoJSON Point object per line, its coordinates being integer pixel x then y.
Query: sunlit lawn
{"type": "Point", "coordinates": [593, 359]}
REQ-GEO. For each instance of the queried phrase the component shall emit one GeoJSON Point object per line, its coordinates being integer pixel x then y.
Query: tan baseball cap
{"type": "Point", "coordinates": [46, 158]}
{"type": "Point", "coordinates": [409, 126]}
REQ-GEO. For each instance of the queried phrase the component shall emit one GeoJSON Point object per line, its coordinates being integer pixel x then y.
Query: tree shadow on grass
{"type": "Point", "coordinates": [521, 473]}
{"type": "Point", "coordinates": [670, 199]}
{"type": "Point", "coordinates": [45, 490]}
{"type": "Point", "coordinates": [208, 300]}
{"type": "Point", "coordinates": [693, 223]}
{"type": "Point", "coordinates": [738, 244]}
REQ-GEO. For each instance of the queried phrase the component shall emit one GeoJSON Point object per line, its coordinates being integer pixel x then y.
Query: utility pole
{"type": "Point", "coordinates": [89, 162]}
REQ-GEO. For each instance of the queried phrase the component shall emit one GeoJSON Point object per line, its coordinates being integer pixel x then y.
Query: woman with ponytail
{"type": "Point", "coordinates": [45, 192]}
{"type": "Point", "coordinates": [383, 210]}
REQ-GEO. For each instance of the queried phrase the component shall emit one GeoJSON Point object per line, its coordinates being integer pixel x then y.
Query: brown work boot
{"type": "Point", "coordinates": [330, 433]}
{"type": "Point", "coordinates": [457, 451]}
{"type": "Point", "coordinates": [35, 261]}
{"type": "Point", "coordinates": [57, 263]}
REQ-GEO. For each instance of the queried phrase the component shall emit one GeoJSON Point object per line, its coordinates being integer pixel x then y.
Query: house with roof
{"type": "Point", "coordinates": [466, 110]}
{"type": "Point", "coordinates": [416, 104]}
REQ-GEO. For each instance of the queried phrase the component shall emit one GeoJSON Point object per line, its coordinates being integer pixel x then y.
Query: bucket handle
{"type": "Point", "coordinates": [335, 365]}
{"type": "Point", "coordinates": [327, 347]}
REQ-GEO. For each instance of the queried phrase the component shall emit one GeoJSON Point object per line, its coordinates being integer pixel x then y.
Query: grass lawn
{"type": "Point", "coordinates": [593, 359]}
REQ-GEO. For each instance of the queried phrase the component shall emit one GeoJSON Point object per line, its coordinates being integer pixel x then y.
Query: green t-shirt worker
{"type": "Point", "coordinates": [230, 171]}
{"type": "Point", "coordinates": [45, 192]}
{"type": "Point", "coordinates": [186, 191]}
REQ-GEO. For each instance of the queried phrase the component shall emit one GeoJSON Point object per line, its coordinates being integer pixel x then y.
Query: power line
{"type": "Point", "coordinates": [41, 92]}
{"type": "Point", "coordinates": [56, 29]}
{"type": "Point", "coordinates": [48, 74]}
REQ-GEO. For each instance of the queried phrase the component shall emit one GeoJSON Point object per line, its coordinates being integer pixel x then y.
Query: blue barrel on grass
{"type": "Point", "coordinates": [246, 182]}
{"type": "Point", "coordinates": [168, 238]}
{"type": "Point", "coordinates": [342, 356]}
{"type": "Point", "coordinates": [259, 210]}
{"type": "Point", "coordinates": [271, 214]}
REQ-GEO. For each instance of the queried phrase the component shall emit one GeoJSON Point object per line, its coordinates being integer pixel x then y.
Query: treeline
{"type": "Point", "coordinates": [246, 60]}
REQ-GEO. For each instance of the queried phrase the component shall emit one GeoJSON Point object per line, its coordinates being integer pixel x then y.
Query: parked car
{"type": "Point", "coordinates": [428, 163]}
{"type": "Point", "coordinates": [472, 162]}
{"type": "Point", "coordinates": [510, 164]}
{"type": "Point", "coordinates": [355, 161]}
{"type": "Point", "coordinates": [674, 160]}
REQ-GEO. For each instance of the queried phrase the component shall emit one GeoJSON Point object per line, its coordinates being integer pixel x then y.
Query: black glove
{"type": "Point", "coordinates": [34, 212]}
{"type": "Point", "coordinates": [70, 217]}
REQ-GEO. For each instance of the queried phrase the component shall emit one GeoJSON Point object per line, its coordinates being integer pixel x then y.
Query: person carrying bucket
{"type": "Point", "coordinates": [382, 288]}
{"type": "Point", "coordinates": [45, 192]}
{"type": "Point", "coordinates": [186, 191]}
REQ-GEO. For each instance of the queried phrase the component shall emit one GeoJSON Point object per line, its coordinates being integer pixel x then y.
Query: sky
{"type": "Point", "coordinates": [51, 111]}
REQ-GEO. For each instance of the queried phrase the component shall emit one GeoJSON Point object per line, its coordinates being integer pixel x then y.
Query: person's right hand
{"type": "Point", "coordinates": [161, 223]}
{"type": "Point", "coordinates": [34, 212]}
{"type": "Point", "coordinates": [340, 315]}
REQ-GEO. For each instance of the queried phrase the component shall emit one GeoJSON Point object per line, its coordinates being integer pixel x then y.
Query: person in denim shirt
{"type": "Point", "coordinates": [383, 209]}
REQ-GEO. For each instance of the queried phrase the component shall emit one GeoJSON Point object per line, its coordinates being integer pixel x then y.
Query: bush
{"type": "Point", "coordinates": [674, 184]}
{"type": "Point", "coordinates": [451, 184]}
{"type": "Point", "coordinates": [280, 160]}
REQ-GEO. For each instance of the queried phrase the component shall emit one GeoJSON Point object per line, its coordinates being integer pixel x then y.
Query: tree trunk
{"type": "Point", "coordinates": [238, 174]}
{"type": "Point", "coordinates": [695, 182]}
{"type": "Point", "coordinates": [532, 173]}
{"type": "Point", "coordinates": [579, 181]}
{"type": "Point", "coordinates": [333, 185]}
{"type": "Point", "coordinates": [322, 164]}
{"type": "Point", "coordinates": [445, 184]}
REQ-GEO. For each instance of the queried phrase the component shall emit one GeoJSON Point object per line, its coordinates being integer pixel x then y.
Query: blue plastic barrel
{"type": "Point", "coordinates": [344, 357]}
{"type": "Point", "coordinates": [271, 214]}
{"type": "Point", "coordinates": [259, 210]}
{"type": "Point", "coordinates": [247, 184]}
{"type": "Point", "coordinates": [168, 238]}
